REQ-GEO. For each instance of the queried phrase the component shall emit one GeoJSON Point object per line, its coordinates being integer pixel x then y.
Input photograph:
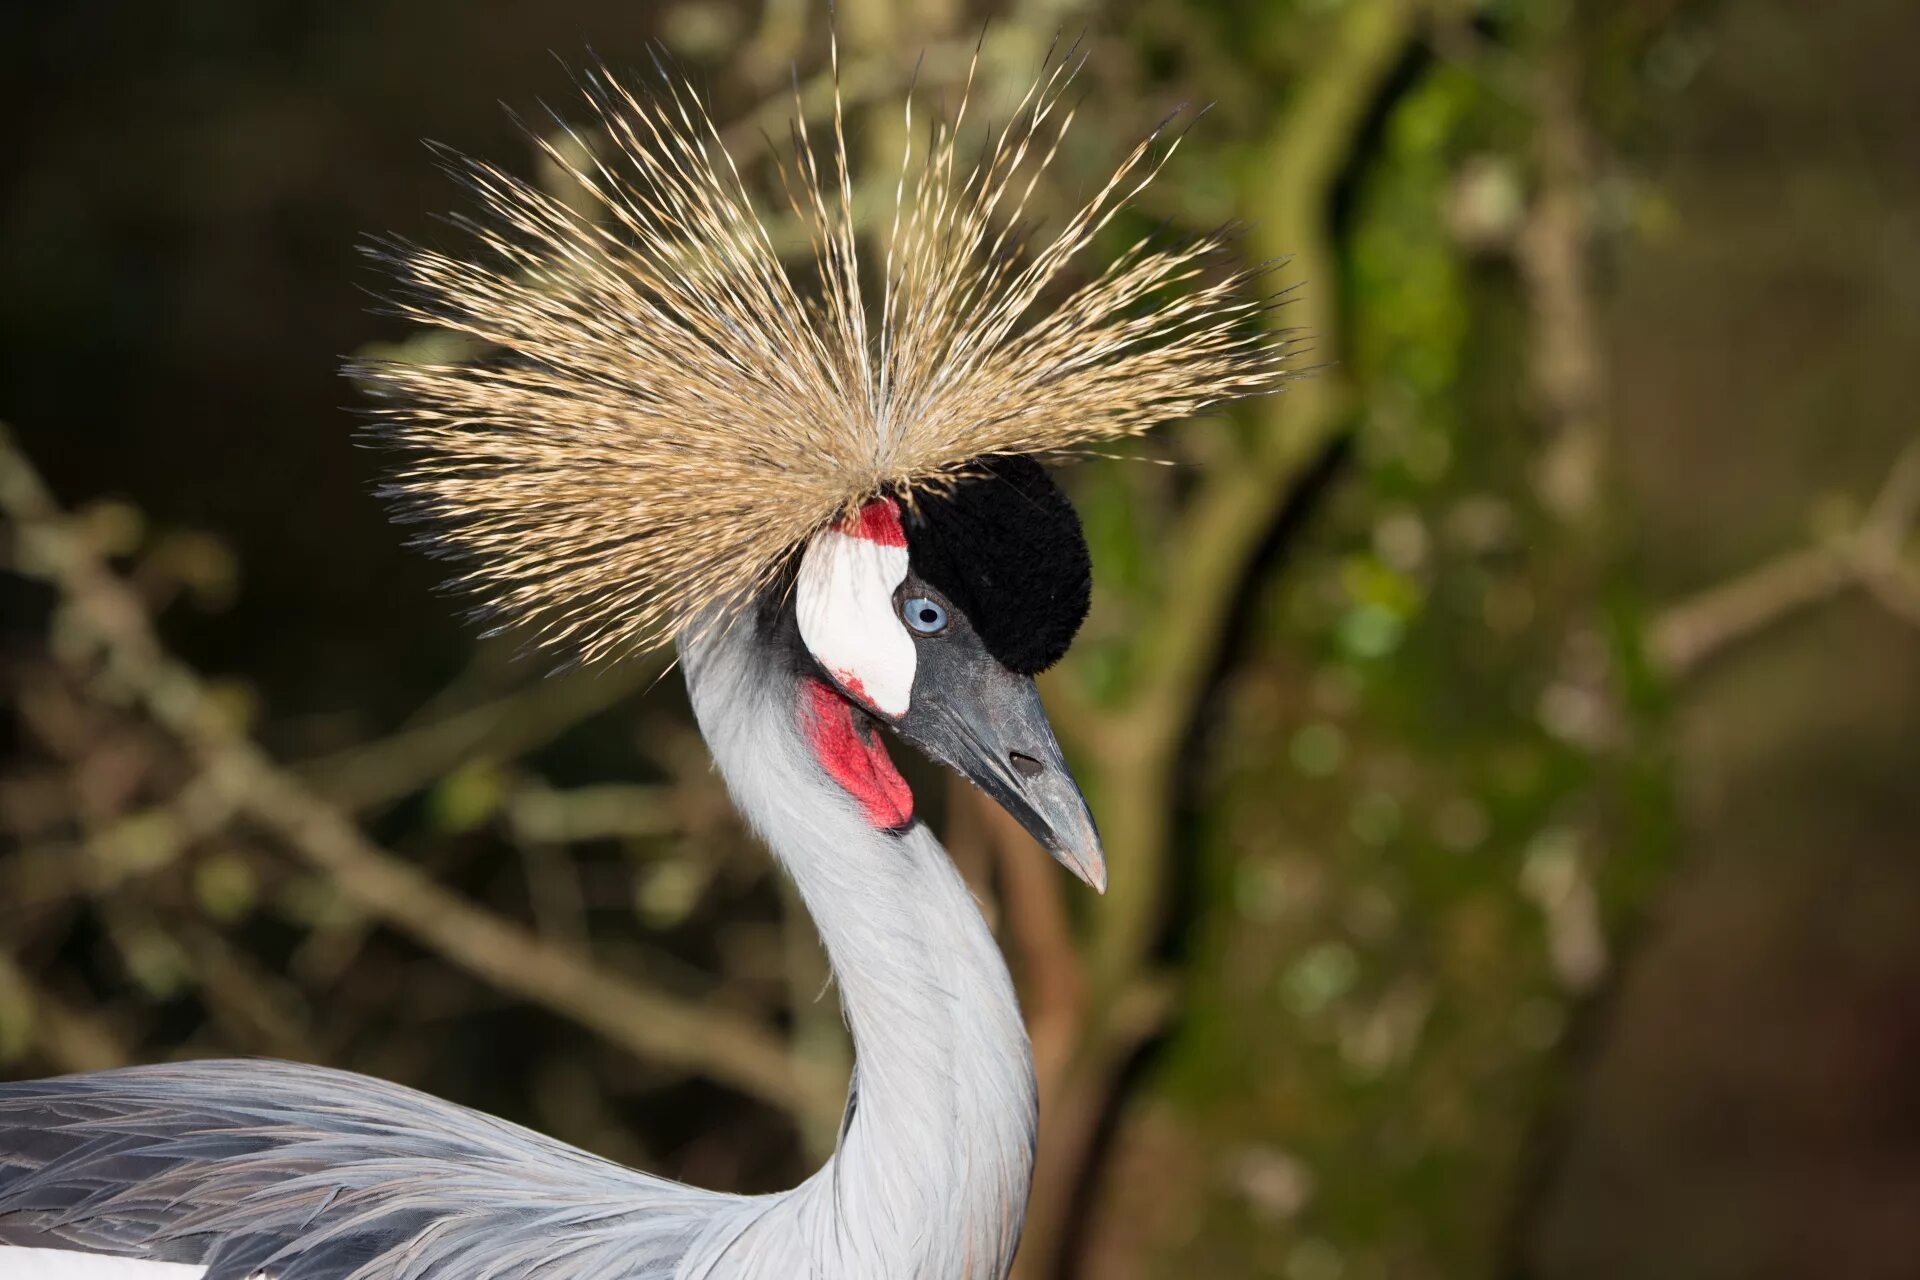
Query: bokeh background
{"type": "Point", "coordinates": [1508, 739]}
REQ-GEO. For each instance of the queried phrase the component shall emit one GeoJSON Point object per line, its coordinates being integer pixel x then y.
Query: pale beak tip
{"type": "Point", "coordinates": [1090, 868]}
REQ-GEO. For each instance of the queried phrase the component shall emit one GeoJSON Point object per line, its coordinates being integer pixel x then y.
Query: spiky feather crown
{"type": "Point", "coordinates": [675, 412]}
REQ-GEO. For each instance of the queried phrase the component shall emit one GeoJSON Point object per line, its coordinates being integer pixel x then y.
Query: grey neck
{"type": "Point", "coordinates": [931, 1174]}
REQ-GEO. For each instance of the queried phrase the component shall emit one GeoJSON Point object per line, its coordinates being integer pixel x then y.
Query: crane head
{"type": "Point", "coordinates": [933, 617]}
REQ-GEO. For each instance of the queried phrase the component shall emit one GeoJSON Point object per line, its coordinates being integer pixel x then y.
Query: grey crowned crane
{"type": "Point", "coordinates": [834, 509]}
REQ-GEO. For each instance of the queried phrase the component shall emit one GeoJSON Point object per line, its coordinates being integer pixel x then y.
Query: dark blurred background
{"type": "Point", "coordinates": [1507, 738]}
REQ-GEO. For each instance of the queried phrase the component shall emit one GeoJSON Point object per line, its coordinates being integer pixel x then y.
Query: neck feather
{"type": "Point", "coordinates": [931, 1174]}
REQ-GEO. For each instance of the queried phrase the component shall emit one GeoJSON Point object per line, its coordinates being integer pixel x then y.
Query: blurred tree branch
{"type": "Point", "coordinates": [1553, 253]}
{"type": "Point", "coordinates": [112, 640]}
{"type": "Point", "coordinates": [73, 1041]}
{"type": "Point", "coordinates": [1873, 557]}
{"type": "Point", "coordinates": [371, 774]}
{"type": "Point", "coordinates": [1213, 543]}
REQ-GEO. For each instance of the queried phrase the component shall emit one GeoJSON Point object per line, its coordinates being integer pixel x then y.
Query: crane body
{"type": "Point", "coordinates": [300, 1171]}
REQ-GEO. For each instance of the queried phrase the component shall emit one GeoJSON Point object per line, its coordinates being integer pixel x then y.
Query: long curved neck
{"type": "Point", "coordinates": [931, 1174]}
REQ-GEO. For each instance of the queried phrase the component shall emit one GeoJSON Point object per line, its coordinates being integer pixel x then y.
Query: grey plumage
{"type": "Point", "coordinates": [324, 1175]}
{"type": "Point", "coordinates": [312, 1173]}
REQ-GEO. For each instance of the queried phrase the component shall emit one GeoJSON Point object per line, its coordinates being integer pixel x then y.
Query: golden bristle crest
{"type": "Point", "coordinates": [672, 411]}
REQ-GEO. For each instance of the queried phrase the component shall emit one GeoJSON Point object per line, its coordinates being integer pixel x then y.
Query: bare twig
{"type": "Point", "coordinates": [1687, 634]}
{"type": "Point", "coordinates": [372, 774]}
{"type": "Point", "coordinates": [541, 814]}
{"type": "Point", "coordinates": [72, 1041]}
{"type": "Point", "coordinates": [102, 612]}
{"type": "Point", "coordinates": [1872, 558]}
{"type": "Point", "coordinates": [261, 1008]}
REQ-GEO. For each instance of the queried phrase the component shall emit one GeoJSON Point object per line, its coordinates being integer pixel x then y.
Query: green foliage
{"type": "Point", "coordinates": [1402, 865]}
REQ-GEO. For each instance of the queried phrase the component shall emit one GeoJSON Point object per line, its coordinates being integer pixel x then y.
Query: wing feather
{"type": "Point", "coordinates": [317, 1174]}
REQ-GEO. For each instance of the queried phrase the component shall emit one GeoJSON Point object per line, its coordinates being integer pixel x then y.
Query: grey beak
{"type": "Point", "coordinates": [1052, 809]}
{"type": "Point", "coordinates": [987, 723]}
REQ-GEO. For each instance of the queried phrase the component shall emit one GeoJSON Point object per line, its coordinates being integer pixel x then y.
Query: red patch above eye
{"type": "Point", "coordinates": [878, 521]}
{"type": "Point", "coordinates": [857, 761]}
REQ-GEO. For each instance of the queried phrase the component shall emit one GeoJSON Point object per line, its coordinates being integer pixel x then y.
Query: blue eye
{"type": "Point", "coordinates": [928, 617]}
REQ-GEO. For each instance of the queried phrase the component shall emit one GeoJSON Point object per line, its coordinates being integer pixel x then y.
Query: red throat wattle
{"type": "Point", "coordinates": [856, 760]}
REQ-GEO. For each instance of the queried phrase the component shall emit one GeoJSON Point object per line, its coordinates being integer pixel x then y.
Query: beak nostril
{"type": "Point", "coordinates": [1026, 766]}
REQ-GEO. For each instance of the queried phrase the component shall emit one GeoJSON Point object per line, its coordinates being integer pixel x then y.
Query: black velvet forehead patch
{"type": "Point", "coordinates": [1006, 548]}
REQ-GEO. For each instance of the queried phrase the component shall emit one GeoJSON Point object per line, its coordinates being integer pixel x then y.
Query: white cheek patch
{"type": "Point", "coordinates": [843, 599]}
